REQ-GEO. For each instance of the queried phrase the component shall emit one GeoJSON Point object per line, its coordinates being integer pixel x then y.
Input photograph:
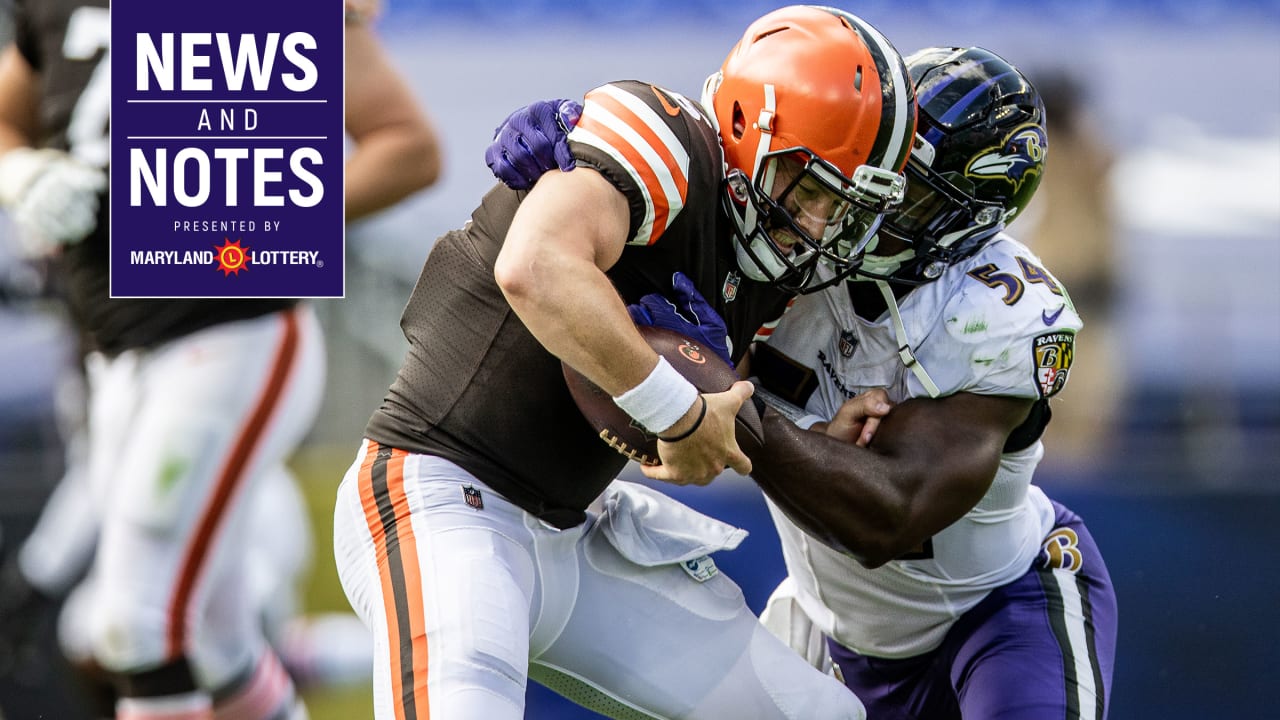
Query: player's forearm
{"type": "Point", "coordinates": [396, 151]}
{"type": "Point", "coordinates": [10, 140]}
{"type": "Point", "coordinates": [836, 492]}
{"type": "Point", "coordinates": [929, 463]}
{"type": "Point", "coordinates": [587, 327]}
{"type": "Point", "coordinates": [388, 166]}
{"type": "Point", "coordinates": [18, 101]}
{"type": "Point", "coordinates": [551, 269]}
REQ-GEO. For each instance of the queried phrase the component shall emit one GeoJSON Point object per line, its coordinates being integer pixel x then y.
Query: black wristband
{"type": "Point", "coordinates": [696, 423]}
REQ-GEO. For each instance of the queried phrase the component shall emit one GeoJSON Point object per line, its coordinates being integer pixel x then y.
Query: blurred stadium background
{"type": "Point", "coordinates": [1161, 215]}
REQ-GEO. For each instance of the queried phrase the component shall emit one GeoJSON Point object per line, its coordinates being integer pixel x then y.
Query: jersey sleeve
{"type": "Point", "coordinates": [1017, 324]}
{"type": "Point", "coordinates": [638, 136]}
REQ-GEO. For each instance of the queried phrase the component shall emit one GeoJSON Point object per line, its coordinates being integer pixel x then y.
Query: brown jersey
{"type": "Point", "coordinates": [479, 390]}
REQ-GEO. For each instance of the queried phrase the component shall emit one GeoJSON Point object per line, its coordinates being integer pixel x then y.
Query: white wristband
{"type": "Point", "coordinates": [660, 399]}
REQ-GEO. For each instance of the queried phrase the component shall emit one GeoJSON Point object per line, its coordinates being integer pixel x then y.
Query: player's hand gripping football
{"type": "Point", "coordinates": [533, 140]}
{"type": "Point", "coordinates": [700, 457]}
{"type": "Point", "coordinates": [52, 196]}
{"type": "Point", "coordinates": [688, 314]}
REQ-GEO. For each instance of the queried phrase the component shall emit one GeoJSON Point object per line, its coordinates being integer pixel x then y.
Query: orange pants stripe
{"type": "Point", "coordinates": [387, 513]}
{"type": "Point", "coordinates": [230, 479]}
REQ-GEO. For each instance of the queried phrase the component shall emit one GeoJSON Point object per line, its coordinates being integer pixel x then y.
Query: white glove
{"type": "Point", "coordinates": [51, 196]}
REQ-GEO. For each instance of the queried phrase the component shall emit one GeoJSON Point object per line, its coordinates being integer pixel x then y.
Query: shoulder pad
{"type": "Point", "coordinates": [1010, 319]}
{"type": "Point", "coordinates": [639, 136]}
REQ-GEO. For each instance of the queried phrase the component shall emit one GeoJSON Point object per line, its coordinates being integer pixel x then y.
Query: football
{"type": "Point", "coordinates": [701, 367]}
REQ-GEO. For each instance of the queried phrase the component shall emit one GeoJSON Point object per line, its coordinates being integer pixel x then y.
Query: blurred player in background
{"type": "Point", "coordinates": [193, 404]}
{"type": "Point", "coordinates": [395, 150]}
{"type": "Point", "coordinates": [939, 580]}
{"type": "Point", "coordinates": [1072, 227]}
{"type": "Point", "coordinates": [462, 530]}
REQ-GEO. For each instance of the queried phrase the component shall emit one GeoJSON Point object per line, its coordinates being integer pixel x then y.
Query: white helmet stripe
{"type": "Point", "coordinates": [765, 124]}
{"type": "Point", "coordinates": [901, 108]}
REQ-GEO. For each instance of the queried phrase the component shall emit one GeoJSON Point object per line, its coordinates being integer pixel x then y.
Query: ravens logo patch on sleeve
{"type": "Point", "coordinates": [1053, 353]}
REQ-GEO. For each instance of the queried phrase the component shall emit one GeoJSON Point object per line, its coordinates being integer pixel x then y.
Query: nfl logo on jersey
{"type": "Point", "coordinates": [472, 497]}
{"type": "Point", "coordinates": [848, 343]}
{"type": "Point", "coordinates": [731, 283]}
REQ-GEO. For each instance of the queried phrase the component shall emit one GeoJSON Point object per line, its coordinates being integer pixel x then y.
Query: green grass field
{"type": "Point", "coordinates": [319, 469]}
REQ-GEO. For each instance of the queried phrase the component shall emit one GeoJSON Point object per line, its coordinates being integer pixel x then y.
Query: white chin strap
{"type": "Point", "coordinates": [904, 347]}
{"type": "Point", "coordinates": [886, 265]}
{"type": "Point", "coordinates": [767, 256]}
{"type": "Point", "coordinates": [878, 264]}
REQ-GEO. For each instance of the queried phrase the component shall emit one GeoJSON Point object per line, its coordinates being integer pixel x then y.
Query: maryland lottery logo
{"type": "Point", "coordinates": [227, 147]}
{"type": "Point", "coordinates": [232, 258]}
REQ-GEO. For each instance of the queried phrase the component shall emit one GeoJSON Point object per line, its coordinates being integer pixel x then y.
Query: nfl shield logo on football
{"type": "Point", "coordinates": [472, 496]}
{"type": "Point", "coordinates": [731, 282]}
{"type": "Point", "coordinates": [848, 343]}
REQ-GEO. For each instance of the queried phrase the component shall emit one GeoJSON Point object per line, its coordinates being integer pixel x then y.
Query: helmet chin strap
{"type": "Point", "coordinates": [765, 256]}
{"type": "Point", "coordinates": [885, 265]}
{"type": "Point", "coordinates": [904, 347]}
{"type": "Point", "coordinates": [958, 237]}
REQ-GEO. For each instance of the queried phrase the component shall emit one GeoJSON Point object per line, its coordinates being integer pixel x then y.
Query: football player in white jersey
{"type": "Point", "coordinates": [945, 584]}
{"type": "Point", "coordinates": [939, 580]}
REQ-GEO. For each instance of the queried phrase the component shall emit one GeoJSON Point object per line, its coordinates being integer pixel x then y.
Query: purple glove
{"type": "Point", "coordinates": [690, 315]}
{"type": "Point", "coordinates": [533, 140]}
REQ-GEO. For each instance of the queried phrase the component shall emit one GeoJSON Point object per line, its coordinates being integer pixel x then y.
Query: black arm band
{"type": "Point", "coordinates": [696, 423]}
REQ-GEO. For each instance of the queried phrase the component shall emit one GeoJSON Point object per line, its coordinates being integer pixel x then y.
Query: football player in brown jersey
{"type": "Point", "coordinates": [463, 532]}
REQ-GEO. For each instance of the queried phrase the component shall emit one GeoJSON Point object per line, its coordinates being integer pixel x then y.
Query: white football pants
{"type": "Point", "coordinates": [468, 597]}
{"type": "Point", "coordinates": [179, 437]}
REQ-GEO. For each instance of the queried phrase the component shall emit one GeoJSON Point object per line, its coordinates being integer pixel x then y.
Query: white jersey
{"type": "Point", "coordinates": [995, 324]}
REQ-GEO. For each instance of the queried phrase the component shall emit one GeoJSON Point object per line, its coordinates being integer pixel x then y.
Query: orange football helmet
{"type": "Point", "coordinates": [816, 113]}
